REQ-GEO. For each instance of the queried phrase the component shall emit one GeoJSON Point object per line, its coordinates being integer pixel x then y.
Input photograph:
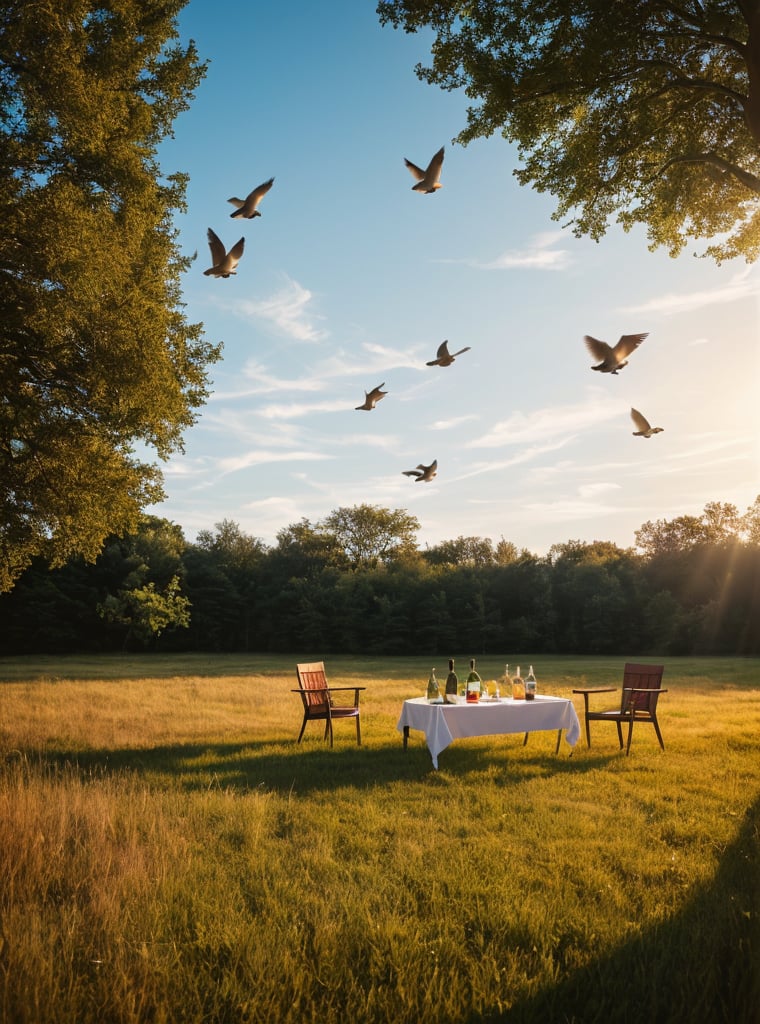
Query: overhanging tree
{"type": "Point", "coordinates": [97, 360]}
{"type": "Point", "coordinates": [648, 112]}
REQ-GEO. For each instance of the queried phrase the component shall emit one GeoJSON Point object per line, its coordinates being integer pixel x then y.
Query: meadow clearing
{"type": "Point", "coordinates": [168, 853]}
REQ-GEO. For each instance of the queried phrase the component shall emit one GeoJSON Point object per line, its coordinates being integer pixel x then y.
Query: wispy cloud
{"type": "Point", "coordinates": [569, 510]}
{"type": "Point", "coordinates": [372, 368]}
{"type": "Point", "coordinates": [592, 491]}
{"type": "Point", "coordinates": [263, 383]}
{"type": "Point", "coordinates": [526, 455]}
{"type": "Point", "coordinates": [562, 422]}
{"type": "Point", "coordinates": [455, 421]}
{"type": "Point", "coordinates": [292, 410]}
{"type": "Point", "coordinates": [541, 253]}
{"type": "Point", "coordinates": [288, 311]}
{"type": "Point", "coordinates": [234, 463]}
{"type": "Point", "coordinates": [740, 286]}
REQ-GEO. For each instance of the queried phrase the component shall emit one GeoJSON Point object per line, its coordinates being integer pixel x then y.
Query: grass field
{"type": "Point", "coordinates": [168, 853]}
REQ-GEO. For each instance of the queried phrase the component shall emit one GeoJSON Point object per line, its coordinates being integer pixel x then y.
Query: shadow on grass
{"type": "Point", "coordinates": [309, 767]}
{"type": "Point", "coordinates": [701, 965]}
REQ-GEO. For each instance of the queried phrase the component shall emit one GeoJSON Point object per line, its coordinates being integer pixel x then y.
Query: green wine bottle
{"type": "Point", "coordinates": [474, 684]}
{"type": "Point", "coordinates": [452, 681]}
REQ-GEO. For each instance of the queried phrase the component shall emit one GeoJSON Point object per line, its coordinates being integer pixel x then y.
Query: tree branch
{"type": "Point", "coordinates": [750, 181]}
{"type": "Point", "coordinates": [684, 81]}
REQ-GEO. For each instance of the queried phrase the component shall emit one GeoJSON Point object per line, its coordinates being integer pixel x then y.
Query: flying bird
{"type": "Point", "coordinates": [423, 474]}
{"type": "Point", "coordinates": [223, 263]}
{"type": "Point", "coordinates": [248, 207]}
{"type": "Point", "coordinates": [371, 398]}
{"type": "Point", "coordinates": [444, 357]}
{"type": "Point", "coordinates": [613, 359]}
{"type": "Point", "coordinates": [643, 428]}
{"type": "Point", "coordinates": [427, 180]}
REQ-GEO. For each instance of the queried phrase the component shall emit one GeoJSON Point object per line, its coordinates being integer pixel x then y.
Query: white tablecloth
{"type": "Point", "coordinates": [443, 723]}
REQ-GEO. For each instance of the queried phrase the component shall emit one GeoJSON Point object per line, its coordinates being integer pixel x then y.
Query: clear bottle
{"type": "Point", "coordinates": [530, 685]}
{"type": "Point", "coordinates": [506, 685]}
{"type": "Point", "coordinates": [433, 692]}
{"type": "Point", "coordinates": [452, 681]}
{"type": "Point", "coordinates": [518, 686]}
{"type": "Point", "coordinates": [474, 684]}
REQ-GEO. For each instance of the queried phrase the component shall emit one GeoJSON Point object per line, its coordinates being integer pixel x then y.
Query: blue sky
{"type": "Point", "coordinates": [350, 279]}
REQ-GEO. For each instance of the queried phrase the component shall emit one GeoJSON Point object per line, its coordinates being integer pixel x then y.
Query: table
{"type": "Point", "coordinates": [443, 723]}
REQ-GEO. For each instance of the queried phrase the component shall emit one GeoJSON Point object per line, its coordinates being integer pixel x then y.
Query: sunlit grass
{"type": "Point", "coordinates": [168, 853]}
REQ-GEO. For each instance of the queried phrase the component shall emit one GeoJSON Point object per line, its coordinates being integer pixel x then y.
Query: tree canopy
{"type": "Point", "coordinates": [368, 534]}
{"type": "Point", "coordinates": [694, 589]}
{"type": "Point", "coordinates": [97, 360]}
{"type": "Point", "coordinates": [648, 112]}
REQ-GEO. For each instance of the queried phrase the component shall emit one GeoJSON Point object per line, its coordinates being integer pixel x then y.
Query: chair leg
{"type": "Point", "coordinates": [303, 726]}
{"type": "Point", "coordinates": [358, 733]}
{"type": "Point", "coordinates": [525, 741]}
{"type": "Point", "coordinates": [620, 733]}
{"type": "Point", "coordinates": [588, 733]}
{"type": "Point", "coordinates": [630, 734]}
{"type": "Point", "coordinates": [657, 730]}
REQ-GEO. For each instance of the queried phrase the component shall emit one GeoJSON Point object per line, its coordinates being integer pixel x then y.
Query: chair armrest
{"type": "Point", "coordinates": [585, 691]}
{"type": "Point", "coordinates": [336, 688]}
{"type": "Point", "coordinates": [315, 689]}
{"type": "Point", "coordinates": [643, 689]}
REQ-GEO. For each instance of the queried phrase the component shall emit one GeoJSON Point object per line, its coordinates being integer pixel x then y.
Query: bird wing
{"type": "Point", "coordinates": [433, 171]}
{"type": "Point", "coordinates": [443, 350]}
{"type": "Point", "coordinates": [218, 251]}
{"type": "Point", "coordinates": [628, 343]}
{"type": "Point", "coordinates": [598, 349]}
{"type": "Point", "coordinates": [258, 193]}
{"type": "Point", "coordinates": [376, 393]}
{"type": "Point", "coordinates": [412, 472]}
{"type": "Point", "coordinates": [236, 202]}
{"type": "Point", "coordinates": [236, 251]}
{"type": "Point", "coordinates": [640, 421]}
{"type": "Point", "coordinates": [417, 172]}
{"type": "Point", "coordinates": [465, 349]}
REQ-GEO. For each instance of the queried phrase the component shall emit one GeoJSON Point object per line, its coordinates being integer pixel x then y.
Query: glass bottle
{"type": "Point", "coordinates": [530, 685]}
{"type": "Point", "coordinates": [506, 687]}
{"type": "Point", "coordinates": [433, 692]}
{"type": "Point", "coordinates": [452, 681]}
{"type": "Point", "coordinates": [474, 684]}
{"type": "Point", "coordinates": [518, 686]}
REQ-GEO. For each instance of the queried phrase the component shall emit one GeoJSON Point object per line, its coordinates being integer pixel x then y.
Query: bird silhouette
{"type": "Point", "coordinates": [444, 357]}
{"type": "Point", "coordinates": [223, 263]}
{"type": "Point", "coordinates": [248, 207]}
{"type": "Point", "coordinates": [427, 180]}
{"type": "Point", "coordinates": [613, 359]}
{"type": "Point", "coordinates": [423, 474]}
{"type": "Point", "coordinates": [371, 398]}
{"type": "Point", "coordinates": [643, 429]}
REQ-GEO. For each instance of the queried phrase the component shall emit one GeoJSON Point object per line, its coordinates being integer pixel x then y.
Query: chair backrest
{"type": "Point", "coordinates": [311, 676]}
{"type": "Point", "coordinates": [642, 677]}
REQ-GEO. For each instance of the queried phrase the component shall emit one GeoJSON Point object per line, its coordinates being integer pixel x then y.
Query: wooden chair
{"type": "Point", "coordinates": [642, 686]}
{"type": "Point", "coordinates": [320, 702]}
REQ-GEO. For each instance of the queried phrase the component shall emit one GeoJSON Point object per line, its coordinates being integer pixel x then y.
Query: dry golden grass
{"type": "Point", "coordinates": [168, 853]}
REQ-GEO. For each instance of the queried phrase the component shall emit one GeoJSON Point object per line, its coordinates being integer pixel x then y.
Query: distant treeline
{"type": "Point", "coordinates": [357, 582]}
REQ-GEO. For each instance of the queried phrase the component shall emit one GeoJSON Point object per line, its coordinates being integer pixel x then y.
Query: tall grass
{"type": "Point", "coordinates": [169, 854]}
